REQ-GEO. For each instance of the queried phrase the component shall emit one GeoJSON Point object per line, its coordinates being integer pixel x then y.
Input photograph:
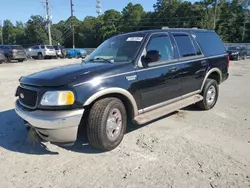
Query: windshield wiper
{"type": "Point", "coordinates": [100, 58]}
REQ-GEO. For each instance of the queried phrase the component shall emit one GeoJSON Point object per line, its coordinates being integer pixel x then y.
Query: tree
{"type": "Point", "coordinates": [131, 17]}
{"type": "Point", "coordinates": [36, 31]}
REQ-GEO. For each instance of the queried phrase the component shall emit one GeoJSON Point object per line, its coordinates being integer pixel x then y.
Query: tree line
{"type": "Point", "coordinates": [230, 19]}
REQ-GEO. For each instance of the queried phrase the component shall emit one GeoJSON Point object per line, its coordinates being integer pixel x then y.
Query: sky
{"type": "Point", "coordinates": [21, 10]}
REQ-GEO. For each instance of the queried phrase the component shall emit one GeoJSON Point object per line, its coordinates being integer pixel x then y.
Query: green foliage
{"type": "Point", "coordinates": [230, 19]}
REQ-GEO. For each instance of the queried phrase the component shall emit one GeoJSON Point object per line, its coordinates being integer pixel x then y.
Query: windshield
{"type": "Point", "coordinates": [56, 47]}
{"type": "Point", "coordinates": [233, 48]}
{"type": "Point", "coordinates": [121, 48]}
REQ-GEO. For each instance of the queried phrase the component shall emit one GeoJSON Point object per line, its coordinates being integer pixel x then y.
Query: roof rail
{"type": "Point", "coordinates": [178, 28]}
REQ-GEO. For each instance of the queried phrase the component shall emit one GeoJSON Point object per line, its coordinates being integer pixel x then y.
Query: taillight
{"type": "Point", "coordinates": [13, 51]}
{"type": "Point", "coordinates": [228, 61]}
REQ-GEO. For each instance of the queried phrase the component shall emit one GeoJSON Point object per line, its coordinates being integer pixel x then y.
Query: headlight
{"type": "Point", "coordinates": [58, 98]}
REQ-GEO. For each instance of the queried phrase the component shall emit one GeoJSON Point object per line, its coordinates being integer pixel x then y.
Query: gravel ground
{"type": "Point", "coordinates": [190, 148]}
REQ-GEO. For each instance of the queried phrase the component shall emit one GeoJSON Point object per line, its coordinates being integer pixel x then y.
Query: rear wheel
{"type": "Point", "coordinates": [20, 60]}
{"type": "Point", "coordinates": [210, 95]}
{"type": "Point", "coordinates": [107, 124]}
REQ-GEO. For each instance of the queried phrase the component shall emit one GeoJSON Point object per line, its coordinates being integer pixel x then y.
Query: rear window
{"type": "Point", "coordinates": [56, 47]}
{"type": "Point", "coordinates": [16, 47]}
{"type": "Point", "coordinates": [50, 47]}
{"type": "Point", "coordinates": [210, 43]}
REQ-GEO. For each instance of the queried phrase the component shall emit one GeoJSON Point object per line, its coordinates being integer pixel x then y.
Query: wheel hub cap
{"type": "Point", "coordinates": [211, 94]}
{"type": "Point", "coordinates": [114, 124]}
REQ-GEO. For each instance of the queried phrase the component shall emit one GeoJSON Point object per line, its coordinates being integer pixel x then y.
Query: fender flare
{"type": "Point", "coordinates": [114, 90]}
{"type": "Point", "coordinates": [210, 72]}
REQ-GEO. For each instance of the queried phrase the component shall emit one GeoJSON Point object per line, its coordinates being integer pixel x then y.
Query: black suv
{"type": "Point", "coordinates": [13, 52]}
{"type": "Point", "coordinates": [136, 76]}
{"type": "Point", "coordinates": [237, 53]}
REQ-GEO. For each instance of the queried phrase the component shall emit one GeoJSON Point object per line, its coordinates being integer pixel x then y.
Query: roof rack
{"type": "Point", "coordinates": [178, 28]}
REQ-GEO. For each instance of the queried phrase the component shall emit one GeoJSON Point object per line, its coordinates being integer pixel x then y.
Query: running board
{"type": "Point", "coordinates": [164, 110]}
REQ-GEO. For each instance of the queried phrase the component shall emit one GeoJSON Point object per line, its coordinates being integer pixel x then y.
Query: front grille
{"type": "Point", "coordinates": [27, 97]}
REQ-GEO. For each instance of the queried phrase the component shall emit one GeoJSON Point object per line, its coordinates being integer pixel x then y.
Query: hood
{"type": "Point", "coordinates": [63, 75]}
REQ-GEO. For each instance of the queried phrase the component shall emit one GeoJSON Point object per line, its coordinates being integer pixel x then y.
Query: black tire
{"type": "Point", "coordinates": [20, 60]}
{"type": "Point", "coordinates": [97, 124]}
{"type": "Point", "coordinates": [5, 60]}
{"type": "Point", "coordinates": [40, 56]}
{"type": "Point", "coordinates": [238, 57]}
{"type": "Point", "coordinates": [204, 104]}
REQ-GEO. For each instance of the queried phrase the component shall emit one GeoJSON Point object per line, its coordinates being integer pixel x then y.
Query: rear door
{"type": "Point", "coordinates": [159, 82]}
{"type": "Point", "coordinates": [193, 65]}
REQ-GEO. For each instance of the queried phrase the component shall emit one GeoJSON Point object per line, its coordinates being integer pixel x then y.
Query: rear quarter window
{"type": "Point", "coordinates": [210, 43]}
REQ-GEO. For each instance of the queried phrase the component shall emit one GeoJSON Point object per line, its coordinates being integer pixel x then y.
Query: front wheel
{"type": "Point", "coordinates": [107, 124]}
{"type": "Point", "coordinates": [40, 56]}
{"type": "Point", "coordinates": [210, 95]}
{"type": "Point", "coordinates": [238, 58]}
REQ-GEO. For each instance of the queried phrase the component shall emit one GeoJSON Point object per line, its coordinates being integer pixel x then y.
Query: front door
{"type": "Point", "coordinates": [159, 81]}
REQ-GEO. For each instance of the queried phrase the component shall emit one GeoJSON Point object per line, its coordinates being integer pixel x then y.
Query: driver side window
{"type": "Point", "coordinates": [163, 45]}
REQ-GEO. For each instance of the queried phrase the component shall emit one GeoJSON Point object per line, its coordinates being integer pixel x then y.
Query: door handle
{"type": "Point", "coordinates": [173, 69]}
{"type": "Point", "coordinates": [204, 62]}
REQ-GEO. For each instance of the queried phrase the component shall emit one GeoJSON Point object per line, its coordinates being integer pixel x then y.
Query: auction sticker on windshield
{"type": "Point", "coordinates": [137, 39]}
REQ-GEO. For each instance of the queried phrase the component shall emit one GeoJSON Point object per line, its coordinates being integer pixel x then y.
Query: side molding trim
{"type": "Point", "coordinates": [114, 90]}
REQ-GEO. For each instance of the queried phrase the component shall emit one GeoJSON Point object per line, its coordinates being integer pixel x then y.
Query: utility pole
{"type": "Point", "coordinates": [244, 28]}
{"type": "Point", "coordinates": [1, 27]}
{"type": "Point", "coordinates": [48, 21]}
{"type": "Point", "coordinates": [215, 13]}
{"type": "Point", "coordinates": [72, 22]}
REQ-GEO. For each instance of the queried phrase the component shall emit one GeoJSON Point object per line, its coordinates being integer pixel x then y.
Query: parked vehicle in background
{"type": "Point", "coordinates": [13, 52]}
{"type": "Point", "coordinates": [138, 76]}
{"type": "Point", "coordinates": [237, 53]}
{"type": "Point", "coordinates": [60, 51]}
{"type": "Point", "coordinates": [2, 57]}
{"type": "Point", "coordinates": [76, 53]}
{"type": "Point", "coordinates": [42, 52]}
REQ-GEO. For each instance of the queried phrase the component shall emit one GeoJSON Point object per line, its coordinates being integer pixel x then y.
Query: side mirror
{"type": "Point", "coordinates": [153, 56]}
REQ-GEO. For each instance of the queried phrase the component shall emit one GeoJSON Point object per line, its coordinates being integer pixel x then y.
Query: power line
{"type": "Point", "coordinates": [72, 22]}
{"type": "Point", "coordinates": [48, 21]}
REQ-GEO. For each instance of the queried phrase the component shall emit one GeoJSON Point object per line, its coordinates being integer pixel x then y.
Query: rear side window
{"type": "Point", "coordinates": [42, 47]}
{"type": "Point", "coordinates": [50, 47]}
{"type": "Point", "coordinates": [163, 45]}
{"type": "Point", "coordinates": [196, 47]}
{"type": "Point", "coordinates": [185, 45]}
{"type": "Point", "coordinates": [17, 47]}
{"type": "Point", "coordinates": [210, 43]}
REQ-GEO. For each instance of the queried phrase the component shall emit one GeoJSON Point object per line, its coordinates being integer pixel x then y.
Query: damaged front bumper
{"type": "Point", "coordinates": [59, 127]}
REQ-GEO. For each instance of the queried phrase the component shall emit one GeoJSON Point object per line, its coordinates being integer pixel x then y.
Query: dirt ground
{"type": "Point", "coordinates": [190, 148]}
